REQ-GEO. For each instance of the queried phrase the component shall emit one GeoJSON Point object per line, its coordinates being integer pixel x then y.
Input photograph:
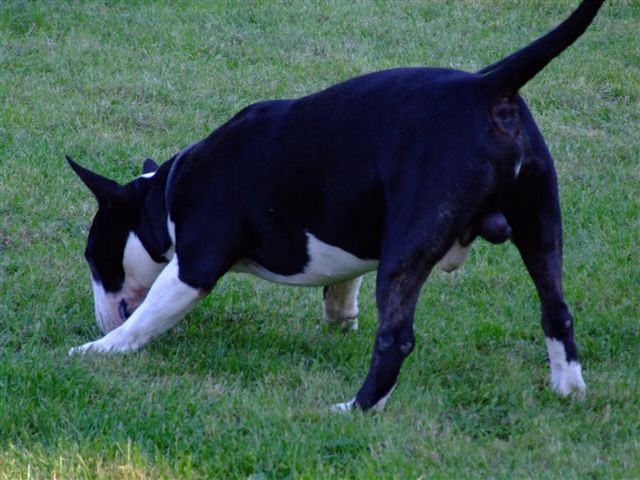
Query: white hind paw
{"type": "Point", "coordinates": [344, 407]}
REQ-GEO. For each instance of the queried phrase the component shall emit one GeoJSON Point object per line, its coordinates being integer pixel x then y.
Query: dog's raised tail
{"type": "Point", "coordinates": [508, 75]}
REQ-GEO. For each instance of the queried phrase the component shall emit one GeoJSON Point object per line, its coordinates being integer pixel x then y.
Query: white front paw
{"type": "Point", "coordinates": [567, 378]}
{"type": "Point", "coordinates": [111, 343]}
{"type": "Point", "coordinates": [81, 349]}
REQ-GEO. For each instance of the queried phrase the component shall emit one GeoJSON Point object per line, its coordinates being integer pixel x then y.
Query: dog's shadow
{"type": "Point", "coordinates": [250, 329]}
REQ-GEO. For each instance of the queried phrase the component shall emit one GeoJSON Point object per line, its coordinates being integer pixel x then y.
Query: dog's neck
{"type": "Point", "coordinates": [150, 200]}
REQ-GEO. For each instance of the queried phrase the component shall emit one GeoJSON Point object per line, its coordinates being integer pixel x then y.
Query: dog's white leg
{"type": "Point", "coordinates": [167, 302]}
{"type": "Point", "coordinates": [566, 377]}
{"type": "Point", "coordinates": [340, 304]}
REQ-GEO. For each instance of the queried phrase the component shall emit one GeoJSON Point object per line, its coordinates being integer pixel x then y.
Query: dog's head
{"type": "Point", "coordinates": [122, 269]}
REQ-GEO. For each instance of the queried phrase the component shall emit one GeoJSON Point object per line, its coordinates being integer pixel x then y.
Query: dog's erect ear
{"type": "Point", "coordinates": [149, 166]}
{"type": "Point", "coordinates": [103, 188]}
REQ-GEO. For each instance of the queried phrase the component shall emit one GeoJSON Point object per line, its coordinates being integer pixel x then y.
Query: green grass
{"type": "Point", "coordinates": [242, 387]}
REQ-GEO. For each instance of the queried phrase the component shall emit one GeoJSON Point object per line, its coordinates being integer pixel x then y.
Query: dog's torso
{"type": "Point", "coordinates": [314, 183]}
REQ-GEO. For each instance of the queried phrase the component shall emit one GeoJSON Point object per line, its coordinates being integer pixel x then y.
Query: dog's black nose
{"type": "Point", "coordinates": [122, 310]}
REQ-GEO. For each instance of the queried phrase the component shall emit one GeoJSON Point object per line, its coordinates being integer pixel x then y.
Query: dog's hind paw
{"type": "Point", "coordinates": [344, 407]}
{"type": "Point", "coordinates": [566, 376]}
{"type": "Point", "coordinates": [568, 380]}
{"type": "Point", "coordinates": [345, 324]}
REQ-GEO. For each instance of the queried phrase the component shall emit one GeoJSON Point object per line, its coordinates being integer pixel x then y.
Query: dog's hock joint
{"type": "Point", "coordinates": [406, 348]}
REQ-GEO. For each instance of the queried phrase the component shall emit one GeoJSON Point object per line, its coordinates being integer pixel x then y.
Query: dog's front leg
{"type": "Point", "coordinates": [167, 302]}
{"type": "Point", "coordinates": [397, 290]}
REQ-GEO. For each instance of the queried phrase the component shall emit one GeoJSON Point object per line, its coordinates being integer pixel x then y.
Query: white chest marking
{"type": "Point", "coordinates": [140, 270]}
{"type": "Point", "coordinates": [171, 229]}
{"type": "Point", "coordinates": [327, 265]}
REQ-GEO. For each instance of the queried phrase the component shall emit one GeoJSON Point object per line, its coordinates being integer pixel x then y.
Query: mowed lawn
{"type": "Point", "coordinates": [242, 387]}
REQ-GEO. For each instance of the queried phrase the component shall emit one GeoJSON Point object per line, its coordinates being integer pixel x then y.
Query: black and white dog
{"type": "Point", "coordinates": [397, 170]}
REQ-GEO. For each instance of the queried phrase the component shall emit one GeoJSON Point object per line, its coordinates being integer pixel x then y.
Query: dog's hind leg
{"type": "Point", "coordinates": [167, 302]}
{"type": "Point", "coordinates": [543, 259]}
{"type": "Point", "coordinates": [399, 280]}
{"type": "Point", "coordinates": [537, 233]}
{"type": "Point", "coordinates": [340, 304]}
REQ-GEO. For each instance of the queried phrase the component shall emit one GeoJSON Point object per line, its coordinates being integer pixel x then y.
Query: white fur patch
{"type": "Point", "coordinates": [566, 377]}
{"type": "Point", "coordinates": [140, 270]}
{"type": "Point", "coordinates": [340, 305]}
{"type": "Point", "coordinates": [454, 257]}
{"type": "Point", "coordinates": [106, 308]}
{"type": "Point", "coordinates": [344, 407]}
{"type": "Point", "coordinates": [518, 166]}
{"type": "Point", "coordinates": [351, 404]}
{"type": "Point", "coordinates": [167, 303]}
{"type": "Point", "coordinates": [327, 265]}
{"type": "Point", "coordinates": [171, 229]}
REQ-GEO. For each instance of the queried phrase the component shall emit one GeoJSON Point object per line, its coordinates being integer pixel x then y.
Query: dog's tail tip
{"type": "Point", "coordinates": [72, 163]}
{"type": "Point", "coordinates": [508, 75]}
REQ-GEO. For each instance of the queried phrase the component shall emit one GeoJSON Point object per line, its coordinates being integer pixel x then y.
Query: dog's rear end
{"type": "Point", "coordinates": [526, 192]}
